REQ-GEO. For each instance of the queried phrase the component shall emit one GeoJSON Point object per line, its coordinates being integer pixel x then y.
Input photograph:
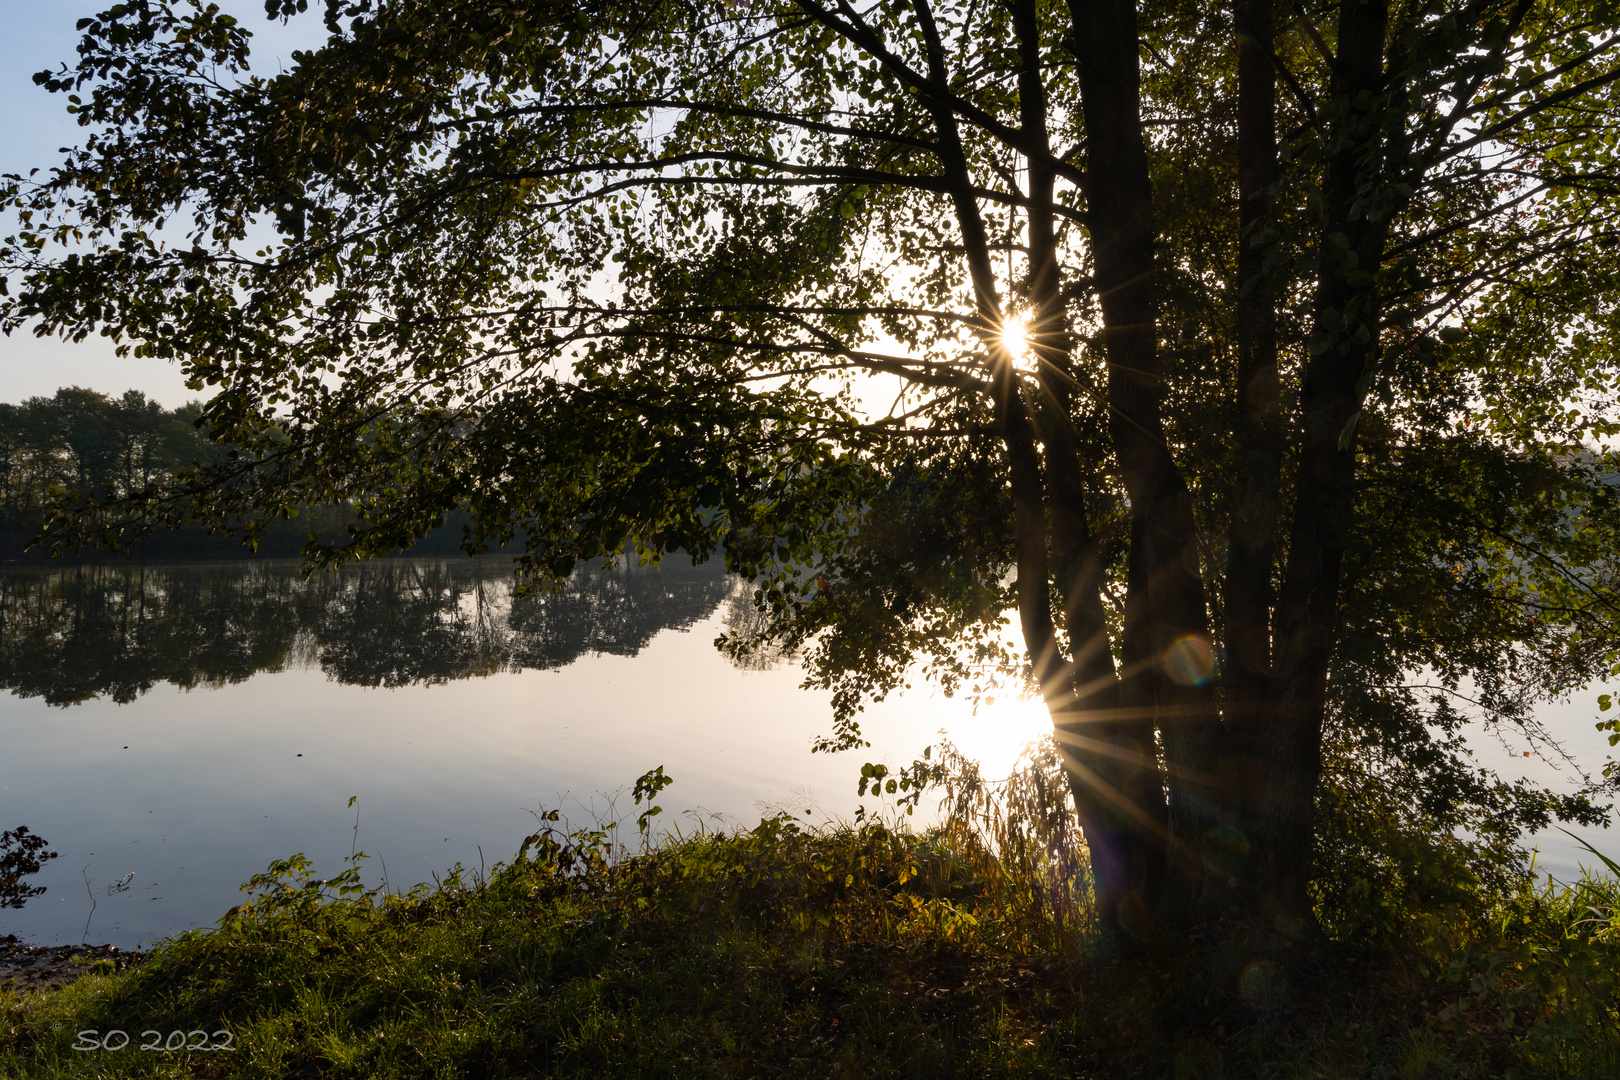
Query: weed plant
{"type": "Point", "coordinates": [862, 950]}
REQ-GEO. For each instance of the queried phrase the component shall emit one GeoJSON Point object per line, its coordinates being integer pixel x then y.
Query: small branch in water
{"type": "Point", "coordinates": [92, 894]}
{"type": "Point", "coordinates": [356, 841]}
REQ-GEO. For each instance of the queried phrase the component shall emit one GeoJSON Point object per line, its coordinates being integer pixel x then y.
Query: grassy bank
{"type": "Point", "coordinates": [859, 951]}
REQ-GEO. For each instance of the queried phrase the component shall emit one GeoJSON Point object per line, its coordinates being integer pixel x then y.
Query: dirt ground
{"type": "Point", "coordinates": [29, 967]}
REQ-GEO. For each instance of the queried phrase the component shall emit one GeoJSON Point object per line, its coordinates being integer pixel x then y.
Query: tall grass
{"type": "Point", "coordinates": [1020, 838]}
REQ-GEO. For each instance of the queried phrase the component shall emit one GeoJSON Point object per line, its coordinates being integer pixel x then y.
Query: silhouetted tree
{"type": "Point", "coordinates": [1178, 300]}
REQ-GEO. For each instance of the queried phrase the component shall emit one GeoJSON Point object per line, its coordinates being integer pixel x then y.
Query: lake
{"type": "Point", "coordinates": [187, 724]}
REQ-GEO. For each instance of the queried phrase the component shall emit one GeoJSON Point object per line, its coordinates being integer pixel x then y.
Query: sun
{"type": "Point", "coordinates": [1015, 339]}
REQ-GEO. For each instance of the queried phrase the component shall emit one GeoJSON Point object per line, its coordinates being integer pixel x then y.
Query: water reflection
{"type": "Point", "coordinates": [370, 682]}
{"type": "Point", "coordinates": [73, 634]}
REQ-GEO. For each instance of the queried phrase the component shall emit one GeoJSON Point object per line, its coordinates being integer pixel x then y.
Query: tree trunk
{"type": "Point", "coordinates": [1248, 593]}
{"type": "Point", "coordinates": [1344, 355]}
{"type": "Point", "coordinates": [1167, 666]}
{"type": "Point", "coordinates": [1113, 773]}
{"type": "Point", "coordinates": [1110, 844]}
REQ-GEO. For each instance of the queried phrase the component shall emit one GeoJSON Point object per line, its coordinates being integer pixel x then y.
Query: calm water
{"type": "Point", "coordinates": [188, 724]}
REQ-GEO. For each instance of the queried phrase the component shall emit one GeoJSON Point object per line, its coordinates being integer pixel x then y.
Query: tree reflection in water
{"type": "Point", "coordinates": [71, 634]}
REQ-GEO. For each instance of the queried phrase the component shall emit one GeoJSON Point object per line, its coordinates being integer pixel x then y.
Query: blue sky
{"type": "Point", "coordinates": [33, 125]}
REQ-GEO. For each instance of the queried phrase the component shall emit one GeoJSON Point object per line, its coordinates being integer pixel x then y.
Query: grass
{"type": "Point", "coordinates": [857, 951]}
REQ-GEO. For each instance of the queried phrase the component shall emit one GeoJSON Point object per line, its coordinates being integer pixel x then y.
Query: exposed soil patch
{"type": "Point", "coordinates": [25, 968]}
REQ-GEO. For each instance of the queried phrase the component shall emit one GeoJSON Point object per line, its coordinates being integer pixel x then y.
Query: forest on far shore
{"type": "Point", "coordinates": [87, 442]}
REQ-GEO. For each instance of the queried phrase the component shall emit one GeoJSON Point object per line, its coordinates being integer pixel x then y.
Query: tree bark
{"type": "Point", "coordinates": [1054, 676]}
{"type": "Point", "coordinates": [1344, 355]}
{"type": "Point", "coordinates": [1248, 594]}
{"type": "Point", "coordinates": [1169, 624]}
{"type": "Point", "coordinates": [1113, 773]}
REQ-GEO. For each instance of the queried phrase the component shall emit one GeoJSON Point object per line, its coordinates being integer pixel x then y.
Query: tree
{"type": "Point", "coordinates": [1255, 431]}
{"type": "Point", "coordinates": [95, 446]}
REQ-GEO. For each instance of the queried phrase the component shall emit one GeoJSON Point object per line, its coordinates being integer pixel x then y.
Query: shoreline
{"type": "Point", "coordinates": [27, 968]}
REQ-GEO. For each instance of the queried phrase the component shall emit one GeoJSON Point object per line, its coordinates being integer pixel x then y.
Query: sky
{"type": "Point", "coordinates": [33, 126]}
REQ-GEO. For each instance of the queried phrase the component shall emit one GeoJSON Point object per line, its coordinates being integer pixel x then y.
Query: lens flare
{"type": "Point", "coordinates": [1189, 661]}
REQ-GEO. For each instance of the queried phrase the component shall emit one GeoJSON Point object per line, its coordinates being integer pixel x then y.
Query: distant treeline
{"type": "Point", "coordinates": [72, 633]}
{"type": "Point", "coordinates": [84, 441]}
